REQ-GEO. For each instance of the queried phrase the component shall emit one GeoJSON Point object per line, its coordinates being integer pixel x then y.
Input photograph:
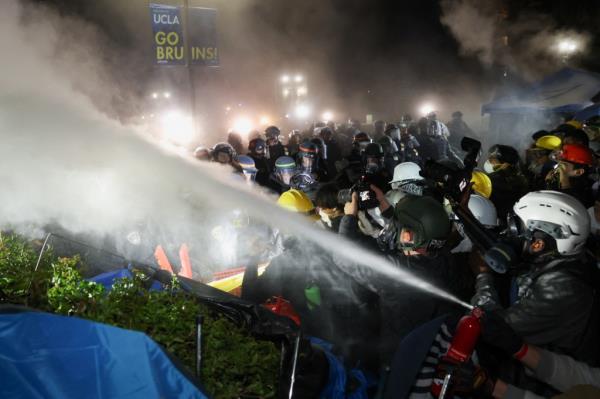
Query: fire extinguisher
{"type": "Point", "coordinates": [460, 350]}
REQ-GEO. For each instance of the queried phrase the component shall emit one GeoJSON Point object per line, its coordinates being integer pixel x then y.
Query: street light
{"type": "Point", "coordinates": [327, 116]}
{"type": "Point", "coordinates": [285, 79]}
{"type": "Point", "coordinates": [301, 91]}
{"type": "Point", "coordinates": [166, 94]}
{"type": "Point", "coordinates": [242, 125]}
{"type": "Point", "coordinates": [265, 120]}
{"type": "Point", "coordinates": [426, 109]}
{"type": "Point", "coordinates": [302, 111]}
{"type": "Point", "coordinates": [286, 92]}
{"type": "Point", "coordinates": [299, 78]}
{"type": "Point", "coordinates": [155, 95]}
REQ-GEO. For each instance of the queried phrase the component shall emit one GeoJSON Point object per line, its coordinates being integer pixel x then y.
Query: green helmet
{"type": "Point", "coordinates": [422, 223]}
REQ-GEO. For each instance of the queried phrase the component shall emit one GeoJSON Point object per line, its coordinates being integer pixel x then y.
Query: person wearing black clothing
{"type": "Point", "coordinates": [274, 147]}
{"type": "Point", "coordinates": [256, 150]}
{"type": "Point", "coordinates": [508, 183]}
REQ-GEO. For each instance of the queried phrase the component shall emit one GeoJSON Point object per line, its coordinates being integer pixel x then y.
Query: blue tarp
{"type": "Point", "coordinates": [109, 278]}
{"type": "Point", "coordinates": [587, 113]}
{"type": "Point", "coordinates": [50, 356]}
{"type": "Point", "coordinates": [567, 91]}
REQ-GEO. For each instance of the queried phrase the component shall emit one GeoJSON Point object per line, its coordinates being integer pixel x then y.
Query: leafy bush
{"type": "Point", "coordinates": [234, 364]}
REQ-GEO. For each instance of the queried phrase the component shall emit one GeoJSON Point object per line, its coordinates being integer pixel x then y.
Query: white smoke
{"type": "Point", "coordinates": [66, 164]}
{"type": "Point", "coordinates": [527, 44]}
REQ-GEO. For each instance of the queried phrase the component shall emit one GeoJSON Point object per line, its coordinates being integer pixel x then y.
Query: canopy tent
{"type": "Point", "coordinates": [50, 356]}
{"type": "Point", "coordinates": [566, 91]}
{"type": "Point", "coordinates": [514, 117]}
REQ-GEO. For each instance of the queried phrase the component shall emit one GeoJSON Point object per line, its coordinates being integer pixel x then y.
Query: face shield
{"type": "Point", "coordinates": [250, 175]}
{"type": "Point", "coordinates": [395, 134]}
{"type": "Point", "coordinates": [308, 162]}
{"type": "Point", "coordinates": [373, 165]}
{"type": "Point", "coordinates": [285, 175]}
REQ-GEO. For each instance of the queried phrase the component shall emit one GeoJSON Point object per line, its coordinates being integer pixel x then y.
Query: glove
{"type": "Point", "coordinates": [496, 332]}
{"type": "Point", "coordinates": [467, 379]}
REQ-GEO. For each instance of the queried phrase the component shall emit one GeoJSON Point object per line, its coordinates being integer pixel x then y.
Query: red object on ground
{"type": "Point", "coordinates": [282, 307]}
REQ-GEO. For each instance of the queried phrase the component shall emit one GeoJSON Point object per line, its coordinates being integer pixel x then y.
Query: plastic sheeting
{"type": "Point", "coordinates": [49, 356]}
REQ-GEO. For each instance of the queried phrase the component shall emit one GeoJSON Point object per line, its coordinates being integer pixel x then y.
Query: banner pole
{"type": "Point", "coordinates": [188, 63]}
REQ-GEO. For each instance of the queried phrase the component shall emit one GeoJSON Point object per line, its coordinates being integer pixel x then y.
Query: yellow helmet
{"type": "Point", "coordinates": [297, 201]}
{"type": "Point", "coordinates": [575, 124]}
{"type": "Point", "coordinates": [548, 143]}
{"type": "Point", "coordinates": [482, 184]}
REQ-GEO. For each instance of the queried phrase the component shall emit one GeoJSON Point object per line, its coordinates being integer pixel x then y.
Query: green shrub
{"type": "Point", "coordinates": [234, 363]}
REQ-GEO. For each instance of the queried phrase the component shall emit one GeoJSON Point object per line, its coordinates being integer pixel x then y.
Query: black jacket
{"type": "Point", "coordinates": [508, 186]}
{"type": "Point", "coordinates": [556, 307]}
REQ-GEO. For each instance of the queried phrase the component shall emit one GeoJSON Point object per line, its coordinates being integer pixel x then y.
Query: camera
{"type": "Point", "coordinates": [367, 199]}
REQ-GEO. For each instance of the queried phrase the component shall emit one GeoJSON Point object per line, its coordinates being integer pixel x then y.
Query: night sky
{"type": "Point", "coordinates": [361, 56]}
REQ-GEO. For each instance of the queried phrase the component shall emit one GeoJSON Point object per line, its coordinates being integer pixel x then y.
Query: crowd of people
{"type": "Point", "coordinates": [541, 322]}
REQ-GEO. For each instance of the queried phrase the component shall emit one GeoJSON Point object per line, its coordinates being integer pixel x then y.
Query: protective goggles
{"type": "Point", "coordinates": [517, 228]}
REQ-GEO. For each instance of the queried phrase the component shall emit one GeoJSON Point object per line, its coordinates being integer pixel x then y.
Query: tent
{"type": "Point", "coordinates": [514, 117]}
{"type": "Point", "coordinates": [49, 356]}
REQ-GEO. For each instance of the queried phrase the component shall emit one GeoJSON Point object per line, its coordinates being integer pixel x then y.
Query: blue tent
{"type": "Point", "coordinates": [587, 113]}
{"type": "Point", "coordinates": [566, 91]}
{"type": "Point", "coordinates": [49, 356]}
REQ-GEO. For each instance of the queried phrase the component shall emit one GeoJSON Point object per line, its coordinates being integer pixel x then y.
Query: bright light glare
{"type": "Point", "coordinates": [327, 116]}
{"type": "Point", "coordinates": [242, 125]}
{"type": "Point", "coordinates": [155, 95]}
{"type": "Point", "coordinates": [285, 79]}
{"type": "Point", "coordinates": [567, 46]}
{"type": "Point", "coordinates": [286, 92]}
{"type": "Point", "coordinates": [265, 120]}
{"type": "Point", "coordinates": [426, 109]}
{"type": "Point", "coordinates": [177, 127]}
{"type": "Point", "coordinates": [302, 91]}
{"type": "Point", "coordinates": [302, 111]}
{"type": "Point", "coordinates": [227, 108]}
{"type": "Point", "coordinates": [299, 78]}
{"type": "Point", "coordinates": [166, 94]}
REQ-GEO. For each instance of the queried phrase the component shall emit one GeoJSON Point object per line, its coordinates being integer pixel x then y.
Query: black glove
{"type": "Point", "coordinates": [467, 379]}
{"type": "Point", "coordinates": [496, 332]}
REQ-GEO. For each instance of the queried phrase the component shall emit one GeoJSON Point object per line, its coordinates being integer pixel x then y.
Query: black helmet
{"type": "Point", "coordinates": [256, 146]}
{"type": "Point", "coordinates": [223, 148]}
{"type": "Point", "coordinates": [422, 223]}
{"type": "Point", "coordinates": [373, 150]}
{"type": "Point", "coordinates": [361, 137]}
{"type": "Point", "coordinates": [308, 149]}
{"type": "Point", "coordinates": [457, 114]}
{"type": "Point", "coordinates": [504, 154]}
{"type": "Point", "coordinates": [272, 132]}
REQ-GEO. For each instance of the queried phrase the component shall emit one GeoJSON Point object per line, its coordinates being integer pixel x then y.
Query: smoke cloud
{"type": "Point", "coordinates": [527, 44]}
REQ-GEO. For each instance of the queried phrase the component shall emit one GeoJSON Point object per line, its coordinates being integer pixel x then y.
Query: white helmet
{"type": "Point", "coordinates": [406, 172]}
{"type": "Point", "coordinates": [484, 211]}
{"type": "Point", "coordinates": [557, 214]}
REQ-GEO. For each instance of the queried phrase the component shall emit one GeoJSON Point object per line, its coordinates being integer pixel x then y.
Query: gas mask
{"type": "Point", "coordinates": [373, 165]}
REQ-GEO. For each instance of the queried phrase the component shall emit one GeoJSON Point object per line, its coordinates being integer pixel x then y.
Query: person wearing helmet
{"type": "Point", "coordinates": [334, 151]}
{"type": "Point", "coordinates": [407, 179]}
{"type": "Point", "coordinates": [274, 147]}
{"type": "Point", "coordinates": [280, 179]}
{"type": "Point", "coordinates": [223, 153]}
{"type": "Point", "coordinates": [409, 143]}
{"type": "Point", "coordinates": [485, 212]}
{"type": "Point", "coordinates": [539, 162]}
{"type": "Point", "coordinates": [509, 184]}
{"type": "Point", "coordinates": [248, 168]}
{"type": "Point", "coordinates": [391, 154]}
{"type": "Point", "coordinates": [379, 129]}
{"type": "Point", "coordinates": [553, 303]}
{"type": "Point", "coordinates": [257, 150]}
{"type": "Point", "coordinates": [458, 129]}
{"type": "Point", "coordinates": [293, 145]}
{"type": "Point", "coordinates": [235, 140]}
{"type": "Point", "coordinates": [202, 154]}
{"type": "Point", "coordinates": [374, 167]}
{"type": "Point", "coordinates": [310, 162]}
{"type": "Point", "coordinates": [415, 241]}
{"type": "Point", "coordinates": [482, 185]}
{"type": "Point", "coordinates": [570, 176]}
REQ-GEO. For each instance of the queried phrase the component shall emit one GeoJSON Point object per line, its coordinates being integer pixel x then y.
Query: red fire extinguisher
{"type": "Point", "coordinates": [460, 350]}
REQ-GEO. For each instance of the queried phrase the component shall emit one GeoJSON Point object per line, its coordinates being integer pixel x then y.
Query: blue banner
{"type": "Point", "coordinates": [167, 26]}
{"type": "Point", "coordinates": [203, 36]}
